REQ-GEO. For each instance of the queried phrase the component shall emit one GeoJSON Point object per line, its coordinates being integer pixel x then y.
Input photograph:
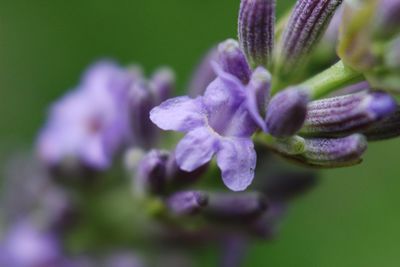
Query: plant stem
{"type": "Point", "coordinates": [332, 79]}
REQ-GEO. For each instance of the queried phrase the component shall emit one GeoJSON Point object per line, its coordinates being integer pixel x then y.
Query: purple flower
{"type": "Point", "coordinates": [26, 246]}
{"type": "Point", "coordinates": [217, 123]}
{"type": "Point", "coordinates": [88, 125]}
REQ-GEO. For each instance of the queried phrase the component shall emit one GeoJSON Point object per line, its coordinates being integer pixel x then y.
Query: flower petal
{"type": "Point", "coordinates": [237, 161]}
{"type": "Point", "coordinates": [196, 149]}
{"type": "Point", "coordinates": [228, 81]}
{"type": "Point", "coordinates": [179, 114]}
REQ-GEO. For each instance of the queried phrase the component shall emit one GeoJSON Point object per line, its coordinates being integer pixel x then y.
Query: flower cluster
{"type": "Point", "coordinates": [250, 99]}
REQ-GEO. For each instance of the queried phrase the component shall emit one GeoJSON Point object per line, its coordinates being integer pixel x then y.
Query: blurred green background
{"type": "Point", "coordinates": [351, 219]}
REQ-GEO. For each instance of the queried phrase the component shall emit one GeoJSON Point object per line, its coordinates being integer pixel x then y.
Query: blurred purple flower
{"type": "Point", "coordinates": [26, 246]}
{"type": "Point", "coordinates": [89, 124]}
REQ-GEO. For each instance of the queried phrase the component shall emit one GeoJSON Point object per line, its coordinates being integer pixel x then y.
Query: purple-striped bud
{"type": "Point", "coordinates": [336, 152]}
{"type": "Point", "coordinates": [339, 116]}
{"type": "Point", "coordinates": [306, 26]}
{"type": "Point", "coordinates": [258, 92]}
{"type": "Point", "coordinates": [163, 84]}
{"type": "Point", "coordinates": [187, 203]}
{"type": "Point", "coordinates": [233, 61]}
{"type": "Point", "coordinates": [286, 112]}
{"type": "Point", "coordinates": [151, 172]}
{"type": "Point", "coordinates": [386, 129]}
{"type": "Point", "coordinates": [141, 100]}
{"type": "Point", "coordinates": [235, 207]}
{"type": "Point", "coordinates": [256, 29]}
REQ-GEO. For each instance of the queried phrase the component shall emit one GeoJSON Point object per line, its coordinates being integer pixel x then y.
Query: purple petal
{"type": "Point", "coordinates": [237, 161]}
{"type": "Point", "coordinates": [179, 114]}
{"type": "Point", "coordinates": [233, 60]}
{"type": "Point", "coordinates": [196, 149]}
{"type": "Point", "coordinates": [229, 81]}
{"type": "Point", "coordinates": [258, 93]}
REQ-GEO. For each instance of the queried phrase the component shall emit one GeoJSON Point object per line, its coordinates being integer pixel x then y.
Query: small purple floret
{"type": "Point", "coordinates": [217, 123]}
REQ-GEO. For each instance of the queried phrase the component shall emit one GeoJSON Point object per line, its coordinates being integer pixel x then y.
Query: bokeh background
{"type": "Point", "coordinates": [351, 219]}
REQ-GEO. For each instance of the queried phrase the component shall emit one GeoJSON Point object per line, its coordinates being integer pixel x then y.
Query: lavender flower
{"type": "Point", "coordinates": [339, 116]}
{"type": "Point", "coordinates": [216, 123]}
{"type": "Point", "coordinates": [256, 30]}
{"type": "Point", "coordinates": [25, 246]}
{"type": "Point", "coordinates": [88, 125]}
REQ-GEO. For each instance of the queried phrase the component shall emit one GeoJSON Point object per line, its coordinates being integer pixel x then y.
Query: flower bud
{"type": "Point", "coordinates": [233, 61]}
{"type": "Point", "coordinates": [235, 207]}
{"type": "Point", "coordinates": [187, 203]}
{"type": "Point", "coordinates": [286, 112]}
{"type": "Point", "coordinates": [163, 84]}
{"type": "Point", "coordinates": [328, 153]}
{"type": "Point", "coordinates": [386, 129]}
{"type": "Point", "coordinates": [306, 26]}
{"type": "Point", "coordinates": [256, 30]}
{"type": "Point", "coordinates": [339, 116]}
{"type": "Point", "coordinates": [141, 101]}
{"type": "Point", "coordinates": [151, 173]}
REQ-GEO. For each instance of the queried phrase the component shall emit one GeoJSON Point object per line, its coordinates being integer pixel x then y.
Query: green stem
{"type": "Point", "coordinates": [332, 79]}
